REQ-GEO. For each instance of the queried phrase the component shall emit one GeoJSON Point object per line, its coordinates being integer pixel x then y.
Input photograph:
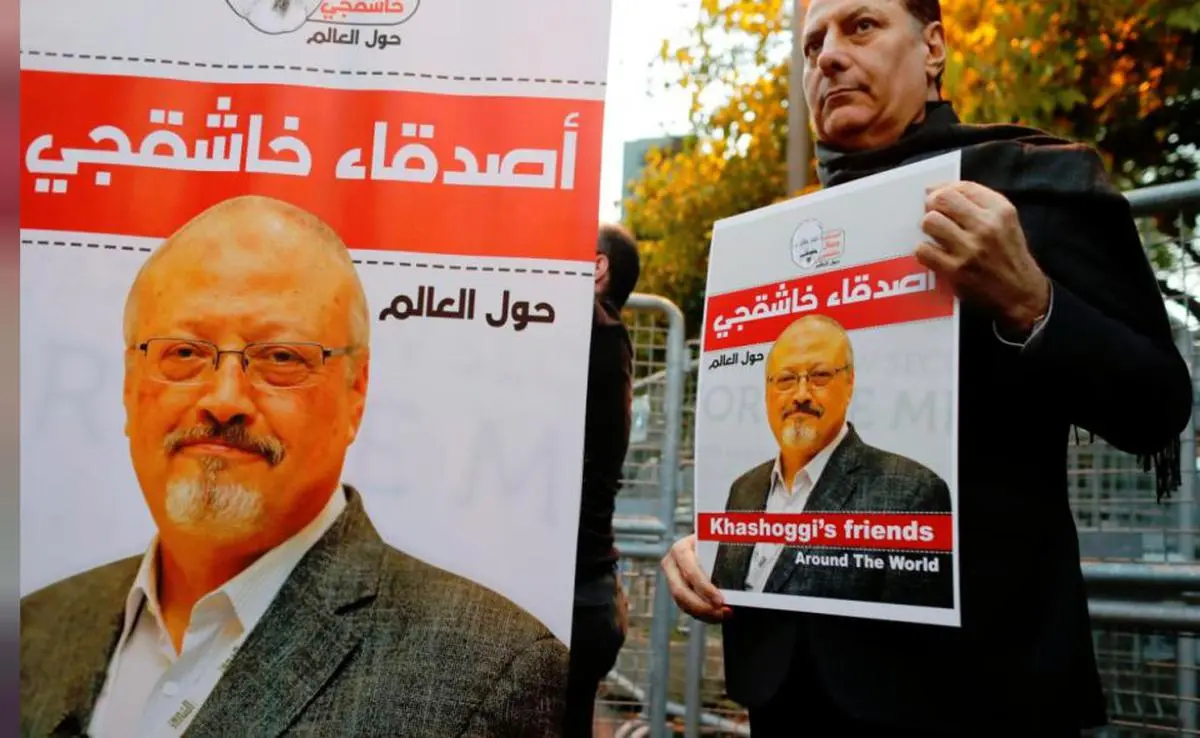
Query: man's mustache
{"type": "Point", "coordinates": [803, 407]}
{"type": "Point", "coordinates": [233, 435]}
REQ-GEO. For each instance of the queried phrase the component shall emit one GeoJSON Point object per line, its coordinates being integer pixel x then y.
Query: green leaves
{"type": "Point", "coordinates": [1185, 18]}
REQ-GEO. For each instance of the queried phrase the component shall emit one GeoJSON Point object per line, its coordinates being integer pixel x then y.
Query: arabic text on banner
{"type": "Point", "coordinates": [456, 154]}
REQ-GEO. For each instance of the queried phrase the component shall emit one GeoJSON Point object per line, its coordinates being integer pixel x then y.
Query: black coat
{"type": "Point", "coordinates": [1105, 361]}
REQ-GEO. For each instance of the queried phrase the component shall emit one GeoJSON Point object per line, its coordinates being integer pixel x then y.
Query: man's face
{"type": "Point", "coordinates": [867, 70]}
{"type": "Point", "coordinates": [227, 458]}
{"type": "Point", "coordinates": [809, 387]}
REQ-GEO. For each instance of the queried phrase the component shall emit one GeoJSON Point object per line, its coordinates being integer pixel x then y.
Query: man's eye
{"type": "Point", "coordinates": [183, 351]}
{"type": "Point", "coordinates": [865, 24]}
{"type": "Point", "coordinates": [282, 356]}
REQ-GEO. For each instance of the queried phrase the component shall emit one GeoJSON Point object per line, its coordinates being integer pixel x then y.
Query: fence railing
{"type": "Point", "coordinates": [1139, 558]}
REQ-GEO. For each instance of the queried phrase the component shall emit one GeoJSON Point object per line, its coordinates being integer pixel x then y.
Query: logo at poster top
{"type": "Point", "coordinates": [278, 17]}
{"type": "Point", "coordinates": [814, 247]}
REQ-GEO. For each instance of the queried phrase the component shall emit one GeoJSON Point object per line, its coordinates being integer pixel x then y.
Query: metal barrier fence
{"type": "Point", "coordinates": [1139, 557]}
{"type": "Point", "coordinates": [640, 685]}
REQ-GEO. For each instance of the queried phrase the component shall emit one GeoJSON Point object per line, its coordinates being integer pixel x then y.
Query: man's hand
{"type": "Point", "coordinates": [692, 590]}
{"type": "Point", "coordinates": [979, 248]}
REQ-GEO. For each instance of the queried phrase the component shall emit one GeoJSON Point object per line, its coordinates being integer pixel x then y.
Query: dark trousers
{"type": "Point", "coordinates": [596, 639]}
{"type": "Point", "coordinates": [816, 716]}
{"type": "Point", "coordinates": [803, 708]}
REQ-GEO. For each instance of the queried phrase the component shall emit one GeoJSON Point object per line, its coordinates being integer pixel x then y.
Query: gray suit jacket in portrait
{"type": "Point", "coordinates": [362, 640]}
{"type": "Point", "coordinates": [858, 477]}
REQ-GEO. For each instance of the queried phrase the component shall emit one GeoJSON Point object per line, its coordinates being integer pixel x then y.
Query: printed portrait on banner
{"type": "Point", "coordinates": [825, 448]}
{"type": "Point", "coordinates": [247, 353]}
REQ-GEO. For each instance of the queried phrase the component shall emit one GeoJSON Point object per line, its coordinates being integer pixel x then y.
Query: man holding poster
{"type": "Point", "coordinates": [1059, 308]}
{"type": "Point", "coordinates": [267, 601]}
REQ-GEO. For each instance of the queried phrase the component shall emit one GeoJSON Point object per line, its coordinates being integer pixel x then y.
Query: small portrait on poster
{"type": "Point", "coordinates": [820, 463]}
{"type": "Point", "coordinates": [275, 16]}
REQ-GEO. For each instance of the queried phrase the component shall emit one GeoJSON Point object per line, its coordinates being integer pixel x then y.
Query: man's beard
{"type": "Point", "coordinates": [797, 428]}
{"type": "Point", "coordinates": [796, 432]}
{"type": "Point", "coordinates": [207, 501]}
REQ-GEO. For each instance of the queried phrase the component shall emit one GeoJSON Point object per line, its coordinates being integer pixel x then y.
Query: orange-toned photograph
{"type": "Point", "coordinates": [823, 464]}
{"type": "Point", "coordinates": [267, 600]}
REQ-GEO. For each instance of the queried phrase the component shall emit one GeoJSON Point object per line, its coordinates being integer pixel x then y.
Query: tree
{"type": "Point", "coordinates": [1114, 73]}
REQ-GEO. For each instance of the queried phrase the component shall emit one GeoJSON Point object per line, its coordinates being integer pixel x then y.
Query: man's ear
{"type": "Point", "coordinates": [358, 391]}
{"type": "Point", "coordinates": [935, 51]}
{"type": "Point", "coordinates": [601, 266]}
{"type": "Point", "coordinates": [128, 388]}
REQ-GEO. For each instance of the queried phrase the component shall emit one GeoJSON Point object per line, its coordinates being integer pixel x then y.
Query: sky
{"type": "Point", "coordinates": [636, 105]}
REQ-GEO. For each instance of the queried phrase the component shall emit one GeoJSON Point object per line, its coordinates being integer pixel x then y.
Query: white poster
{"type": "Point", "coordinates": [453, 147]}
{"type": "Point", "coordinates": [826, 439]}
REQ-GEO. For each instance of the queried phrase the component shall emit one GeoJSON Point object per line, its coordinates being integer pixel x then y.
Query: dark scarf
{"type": "Point", "coordinates": [1005, 158]}
{"type": "Point", "coordinates": [1023, 164]}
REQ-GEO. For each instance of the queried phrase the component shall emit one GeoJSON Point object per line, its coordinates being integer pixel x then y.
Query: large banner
{"type": "Point", "coordinates": [452, 146]}
{"type": "Point", "coordinates": [826, 438]}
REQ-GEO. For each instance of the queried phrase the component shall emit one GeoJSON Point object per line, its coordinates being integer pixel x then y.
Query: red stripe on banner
{"type": "Point", "coordinates": [884, 293]}
{"type": "Point", "coordinates": [908, 531]}
{"type": "Point", "coordinates": [135, 156]}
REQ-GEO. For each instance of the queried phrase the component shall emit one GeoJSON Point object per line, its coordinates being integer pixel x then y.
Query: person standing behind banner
{"type": "Point", "coordinates": [1061, 323]}
{"type": "Point", "coordinates": [598, 624]}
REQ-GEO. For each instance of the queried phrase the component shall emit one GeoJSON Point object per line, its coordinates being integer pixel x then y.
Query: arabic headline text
{"type": "Point", "coordinates": [436, 179]}
{"type": "Point", "coordinates": [884, 293]}
{"type": "Point", "coordinates": [862, 530]}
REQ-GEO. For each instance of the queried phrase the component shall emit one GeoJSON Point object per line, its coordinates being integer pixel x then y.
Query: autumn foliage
{"type": "Point", "coordinates": [1115, 73]}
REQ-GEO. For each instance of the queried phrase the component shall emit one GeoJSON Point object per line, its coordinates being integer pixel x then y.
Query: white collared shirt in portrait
{"type": "Point", "coordinates": [784, 500]}
{"type": "Point", "coordinates": [149, 686]}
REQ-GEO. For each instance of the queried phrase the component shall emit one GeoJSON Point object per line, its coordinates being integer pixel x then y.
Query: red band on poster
{"type": "Point", "coordinates": [434, 180]}
{"type": "Point", "coordinates": [884, 293]}
{"type": "Point", "coordinates": [863, 530]}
